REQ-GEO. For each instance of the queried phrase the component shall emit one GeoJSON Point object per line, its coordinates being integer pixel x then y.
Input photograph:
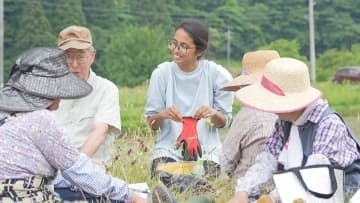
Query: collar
{"type": "Point", "coordinates": [312, 112]}
{"type": "Point", "coordinates": [92, 77]}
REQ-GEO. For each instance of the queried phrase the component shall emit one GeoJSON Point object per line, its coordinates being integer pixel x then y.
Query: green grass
{"type": "Point", "coordinates": [343, 98]}
{"type": "Point", "coordinates": [132, 161]}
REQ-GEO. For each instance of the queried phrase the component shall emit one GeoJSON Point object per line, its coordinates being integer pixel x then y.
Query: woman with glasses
{"type": "Point", "coordinates": [185, 104]}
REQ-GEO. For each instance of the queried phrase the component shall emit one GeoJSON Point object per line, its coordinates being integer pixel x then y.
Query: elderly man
{"type": "Point", "coordinates": [92, 122]}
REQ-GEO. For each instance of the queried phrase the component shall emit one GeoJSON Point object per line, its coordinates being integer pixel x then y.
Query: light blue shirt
{"type": "Point", "coordinates": [170, 86]}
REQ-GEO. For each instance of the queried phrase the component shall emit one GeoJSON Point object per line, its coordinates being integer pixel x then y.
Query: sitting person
{"type": "Point", "coordinates": [33, 145]}
{"type": "Point", "coordinates": [250, 128]}
{"type": "Point", "coordinates": [184, 102]}
{"type": "Point", "coordinates": [285, 90]}
{"type": "Point", "coordinates": [92, 122]}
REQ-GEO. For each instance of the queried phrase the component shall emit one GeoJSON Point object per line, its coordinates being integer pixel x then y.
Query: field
{"type": "Point", "coordinates": [132, 160]}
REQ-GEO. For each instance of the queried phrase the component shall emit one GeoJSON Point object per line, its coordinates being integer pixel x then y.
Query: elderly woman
{"type": "Point", "coordinates": [32, 144]}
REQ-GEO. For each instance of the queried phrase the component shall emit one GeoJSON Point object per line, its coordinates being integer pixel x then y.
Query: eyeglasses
{"type": "Point", "coordinates": [182, 48]}
{"type": "Point", "coordinates": [80, 59]}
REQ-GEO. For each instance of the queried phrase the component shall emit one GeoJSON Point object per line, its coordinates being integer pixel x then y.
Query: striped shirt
{"type": "Point", "coordinates": [331, 139]}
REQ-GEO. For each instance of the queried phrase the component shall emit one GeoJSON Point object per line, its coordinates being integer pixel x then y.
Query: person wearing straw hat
{"type": "Point", "coordinates": [33, 146]}
{"type": "Point", "coordinates": [285, 90]}
{"type": "Point", "coordinates": [250, 128]}
{"type": "Point", "coordinates": [93, 122]}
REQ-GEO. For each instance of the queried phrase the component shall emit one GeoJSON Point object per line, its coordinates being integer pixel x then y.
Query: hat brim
{"type": "Point", "coordinates": [257, 97]}
{"type": "Point", "coordinates": [13, 100]}
{"type": "Point", "coordinates": [239, 82]}
{"type": "Point", "coordinates": [74, 44]}
{"type": "Point", "coordinates": [68, 86]}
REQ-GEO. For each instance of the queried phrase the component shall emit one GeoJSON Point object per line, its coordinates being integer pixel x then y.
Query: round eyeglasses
{"type": "Point", "coordinates": [182, 48]}
{"type": "Point", "coordinates": [79, 59]}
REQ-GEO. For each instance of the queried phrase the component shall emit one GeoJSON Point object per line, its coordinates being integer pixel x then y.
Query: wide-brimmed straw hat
{"type": "Point", "coordinates": [284, 87]}
{"type": "Point", "coordinates": [76, 37]}
{"type": "Point", "coordinates": [253, 66]}
{"type": "Point", "coordinates": [39, 76]}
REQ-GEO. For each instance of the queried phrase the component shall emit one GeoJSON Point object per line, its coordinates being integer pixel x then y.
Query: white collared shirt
{"type": "Point", "coordinates": [80, 115]}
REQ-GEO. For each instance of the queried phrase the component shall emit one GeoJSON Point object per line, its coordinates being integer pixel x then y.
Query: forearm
{"type": "Point", "coordinates": [95, 139]}
{"type": "Point", "coordinates": [155, 121]}
{"type": "Point", "coordinates": [228, 166]}
{"type": "Point", "coordinates": [91, 178]}
{"type": "Point", "coordinates": [218, 119]}
{"type": "Point", "coordinates": [258, 174]}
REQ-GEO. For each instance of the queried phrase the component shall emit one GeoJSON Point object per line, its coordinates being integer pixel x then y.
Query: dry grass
{"type": "Point", "coordinates": [132, 164]}
{"type": "Point", "coordinates": [132, 160]}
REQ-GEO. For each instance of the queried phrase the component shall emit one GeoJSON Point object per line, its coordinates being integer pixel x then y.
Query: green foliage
{"type": "Point", "coordinates": [344, 98]}
{"type": "Point", "coordinates": [151, 13]}
{"type": "Point", "coordinates": [67, 12]}
{"type": "Point", "coordinates": [286, 48]}
{"type": "Point", "coordinates": [137, 52]}
{"type": "Point", "coordinates": [252, 24]}
{"type": "Point", "coordinates": [333, 59]}
{"type": "Point", "coordinates": [34, 21]}
{"type": "Point", "coordinates": [101, 13]}
{"type": "Point", "coordinates": [132, 103]}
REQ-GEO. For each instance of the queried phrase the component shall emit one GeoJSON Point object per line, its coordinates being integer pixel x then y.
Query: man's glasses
{"type": "Point", "coordinates": [79, 59]}
{"type": "Point", "coordinates": [182, 48]}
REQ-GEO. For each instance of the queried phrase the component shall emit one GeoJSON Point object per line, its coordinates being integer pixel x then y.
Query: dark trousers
{"type": "Point", "coordinates": [70, 195]}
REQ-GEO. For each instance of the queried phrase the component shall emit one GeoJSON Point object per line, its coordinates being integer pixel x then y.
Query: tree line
{"type": "Point", "coordinates": [130, 35]}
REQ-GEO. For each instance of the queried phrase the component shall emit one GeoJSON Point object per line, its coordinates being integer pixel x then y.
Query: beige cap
{"type": "Point", "coordinates": [253, 66]}
{"type": "Point", "coordinates": [76, 37]}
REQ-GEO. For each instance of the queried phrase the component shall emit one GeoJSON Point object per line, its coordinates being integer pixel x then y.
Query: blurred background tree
{"type": "Point", "coordinates": [130, 36]}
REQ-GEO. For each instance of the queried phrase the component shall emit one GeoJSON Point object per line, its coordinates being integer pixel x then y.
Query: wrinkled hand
{"type": "Point", "coordinates": [189, 141]}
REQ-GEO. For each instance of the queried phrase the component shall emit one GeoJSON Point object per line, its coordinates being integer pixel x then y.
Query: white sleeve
{"type": "Point", "coordinates": [258, 174]}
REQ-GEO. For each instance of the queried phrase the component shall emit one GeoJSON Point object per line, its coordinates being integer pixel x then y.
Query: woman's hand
{"type": "Point", "coordinates": [173, 113]}
{"type": "Point", "coordinates": [204, 112]}
{"type": "Point", "coordinates": [213, 117]}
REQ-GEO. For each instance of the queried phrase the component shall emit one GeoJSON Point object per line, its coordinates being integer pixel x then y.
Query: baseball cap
{"type": "Point", "coordinates": [76, 37]}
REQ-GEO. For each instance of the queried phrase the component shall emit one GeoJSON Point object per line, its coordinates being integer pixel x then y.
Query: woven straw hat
{"type": "Point", "coordinates": [39, 76]}
{"type": "Point", "coordinates": [76, 37]}
{"type": "Point", "coordinates": [285, 87]}
{"type": "Point", "coordinates": [253, 66]}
